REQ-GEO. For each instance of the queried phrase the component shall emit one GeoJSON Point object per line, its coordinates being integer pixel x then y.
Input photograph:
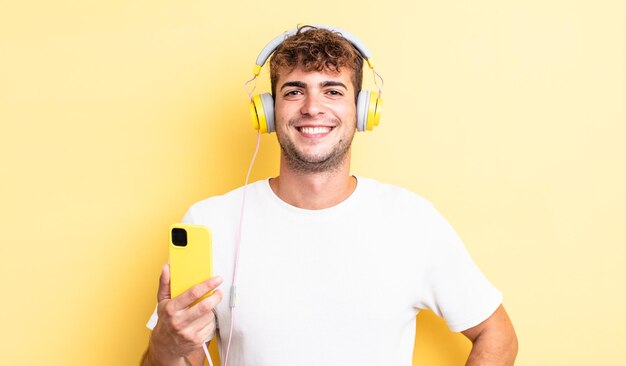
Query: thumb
{"type": "Point", "coordinates": [164, 284]}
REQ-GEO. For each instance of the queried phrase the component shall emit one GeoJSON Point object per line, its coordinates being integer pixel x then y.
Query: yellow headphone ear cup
{"type": "Point", "coordinates": [257, 113]}
{"type": "Point", "coordinates": [374, 110]}
{"type": "Point", "coordinates": [253, 116]}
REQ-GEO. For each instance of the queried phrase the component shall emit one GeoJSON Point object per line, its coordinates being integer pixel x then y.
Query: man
{"type": "Point", "coordinates": [333, 268]}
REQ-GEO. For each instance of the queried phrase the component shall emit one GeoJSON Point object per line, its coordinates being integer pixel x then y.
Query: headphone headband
{"type": "Point", "coordinates": [277, 41]}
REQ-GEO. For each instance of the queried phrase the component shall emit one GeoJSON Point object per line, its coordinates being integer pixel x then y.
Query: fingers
{"type": "Point", "coordinates": [207, 330]}
{"type": "Point", "coordinates": [191, 326]}
{"type": "Point", "coordinates": [183, 327]}
{"type": "Point", "coordinates": [204, 322]}
{"type": "Point", "coordinates": [206, 306]}
{"type": "Point", "coordinates": [164, 284]}
{"type": "Point", "coordinates": [188, 297]}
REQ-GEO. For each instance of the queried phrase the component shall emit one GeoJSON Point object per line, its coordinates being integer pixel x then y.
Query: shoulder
{"type": "Point", "coordinates": [226, 204]}
{"type": "Point", "coordinates": [392, 195]}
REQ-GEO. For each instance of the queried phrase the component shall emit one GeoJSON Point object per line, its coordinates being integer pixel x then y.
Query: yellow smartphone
{"type": "Point", "coordinates": [191, 257]}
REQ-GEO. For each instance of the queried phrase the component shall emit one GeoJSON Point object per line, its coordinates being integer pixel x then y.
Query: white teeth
{"type": "Point", "coordinates": [314, 130]}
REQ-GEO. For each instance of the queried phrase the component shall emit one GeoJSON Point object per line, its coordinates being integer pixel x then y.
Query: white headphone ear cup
{"type": "Point", "coordinates": [268, 108]}
{"type": "Point", "coordinates": [362, 107]}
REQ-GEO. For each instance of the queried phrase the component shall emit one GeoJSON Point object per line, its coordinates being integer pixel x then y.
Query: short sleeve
{"type": "Point", "coordinates": [153, 320]}
{"type": "Point", "coordinates": [454, 287]}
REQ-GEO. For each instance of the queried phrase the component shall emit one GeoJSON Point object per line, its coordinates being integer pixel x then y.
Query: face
{"type": "Point", "coordinates": [315, 117]}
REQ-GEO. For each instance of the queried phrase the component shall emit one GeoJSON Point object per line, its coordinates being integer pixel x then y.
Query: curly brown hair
{"type": "Point", "coordinates": [317, 49]}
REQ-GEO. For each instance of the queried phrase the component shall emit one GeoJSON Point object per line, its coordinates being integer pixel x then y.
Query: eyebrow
{"type": "Point", "coordinates": [300, 84]}
{"type": "Point", "coordinates": [334, 83]}
{"type": "Point", "coordinates": [297, 84]}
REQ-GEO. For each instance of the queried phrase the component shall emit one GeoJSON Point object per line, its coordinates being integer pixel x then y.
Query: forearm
{"type": "Point", "coordinates": [150, 359]}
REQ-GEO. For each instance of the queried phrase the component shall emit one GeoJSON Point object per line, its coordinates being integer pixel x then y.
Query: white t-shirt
{"type": "Point", "coordinates": [338, 286]}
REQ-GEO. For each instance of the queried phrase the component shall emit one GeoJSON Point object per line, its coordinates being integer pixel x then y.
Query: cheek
{"type": "Point", "coordinates": [348, 112]}
{"type": "Point", "coordinates": [282, 109]}
{"type": "Point", "coordinates": [279, 112]}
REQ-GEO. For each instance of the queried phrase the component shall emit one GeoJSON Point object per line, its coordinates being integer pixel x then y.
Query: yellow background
{"type": "Point", "coordinates": [117, 115]}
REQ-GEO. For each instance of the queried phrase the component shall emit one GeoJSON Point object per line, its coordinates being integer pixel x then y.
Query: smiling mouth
{"type": "Point", "coordinates": [317, 130]}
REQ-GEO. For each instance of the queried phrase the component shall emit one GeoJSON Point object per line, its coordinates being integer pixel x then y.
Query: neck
{"type": "Point", "coordinates": [313, 191]}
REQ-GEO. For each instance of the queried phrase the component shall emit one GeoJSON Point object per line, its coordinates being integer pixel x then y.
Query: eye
{"type": "Point", "coordinates": [334, 92]}
{"type": "Point", "coordinates": [291, 93]}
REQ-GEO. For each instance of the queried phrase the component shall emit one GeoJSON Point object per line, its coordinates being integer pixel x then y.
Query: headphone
{"type": "Point", "coordinates": [368, 105]}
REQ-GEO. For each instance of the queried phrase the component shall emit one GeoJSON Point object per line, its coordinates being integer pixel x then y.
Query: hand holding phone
{"type": "Point", "coordinates": [182, 328]}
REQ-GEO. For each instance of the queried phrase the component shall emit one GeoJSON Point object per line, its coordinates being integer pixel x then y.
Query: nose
{"type": "Point", "coordinates": [312, 105]}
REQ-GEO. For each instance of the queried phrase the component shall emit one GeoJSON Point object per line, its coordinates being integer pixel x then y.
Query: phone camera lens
{"type": "Point", "coordinates": [179, 237]}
